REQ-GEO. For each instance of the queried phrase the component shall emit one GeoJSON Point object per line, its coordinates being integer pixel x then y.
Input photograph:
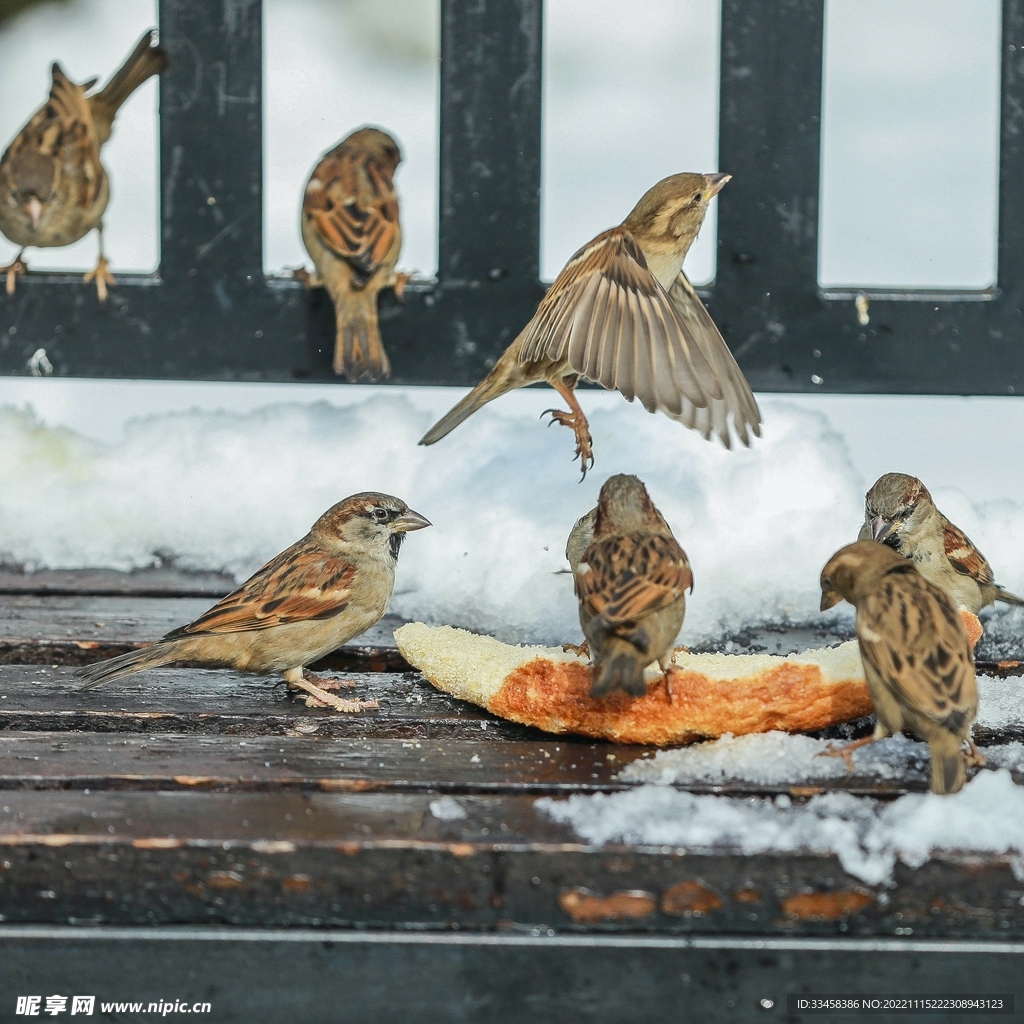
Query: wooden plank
{"type": "Point", "coordinates": [343, 859]}
{"type": "Point", "coordinates": [156, 581]}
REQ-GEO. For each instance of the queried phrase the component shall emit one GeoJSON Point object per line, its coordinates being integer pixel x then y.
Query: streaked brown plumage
{"type": "Point", "coordinates": [623, 313]}
{"type": "Point", "coordinates": [916, 656]}
{"type": "Point", "coordinates": [319, 593]}
{"type": "Point", "coordinates": [631, 584]}
{"type": "Point", "coordinates": [53, 186]}
{"type": "Point", "coordinates": [900, 513]}
{"type": "Point", "coordinates": [351, 229]}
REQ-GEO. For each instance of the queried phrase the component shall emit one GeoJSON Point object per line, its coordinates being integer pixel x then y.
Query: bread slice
{"type": "Point", "coordinates": [712, 694]}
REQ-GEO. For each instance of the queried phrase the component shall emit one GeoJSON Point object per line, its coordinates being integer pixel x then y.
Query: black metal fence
{"type": "Point", "coordinates": [210, 313]}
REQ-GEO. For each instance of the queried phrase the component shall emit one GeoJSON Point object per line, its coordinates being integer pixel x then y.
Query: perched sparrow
{"type": "Point", "coordinates": [915, 653]}
{"type": "Point", "coordinates": [351, 230]}
{"type": "Point", "coordinates": [630, 584]}
{"type": "Point", "coordinates": [53, 188]}
{"type": "Point", "coordinates": [325, 589]}
{"type": "Point", "coordinates": [622, 313]}
{"type": "Point", "coordinates": [900, 513]}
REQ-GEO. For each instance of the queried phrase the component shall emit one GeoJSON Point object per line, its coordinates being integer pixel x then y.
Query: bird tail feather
{"type": "Point", "coordinates": [623, 668]}
{"type": "Point", "coordinates": [125, 664]}
{"type": "Point", "coordinates": [1007, 598]}
{"type": "Point", "coordinates": [948, 771]}
{"type": "Point", "coordinates": [144, 61]}
{"type": "Point", "coordinates": [358, 349]}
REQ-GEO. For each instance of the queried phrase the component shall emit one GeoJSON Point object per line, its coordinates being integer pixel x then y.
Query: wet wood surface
{"type": "Point", "coordinates": [188, 795]}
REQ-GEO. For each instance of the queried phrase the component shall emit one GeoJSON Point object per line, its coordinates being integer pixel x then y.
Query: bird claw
{"type": "Point", "coordinates": [584, 442]}
{"type": "Point", "coordinates": [844, 752]}
{"type": "Point", "coordinates": [398, 283]}
{"type": "Point", "coordinates": [580, 650]}
{"type": "Point", "coordinates": [317, 696]}
{"type": "Point", "coordinates": [307, 279]}
{"type": "Point", "coordinates": [102, 276]}
{"type": "Point", "coordinates": [973, 757]}
{"type": "Point", "coordinates": [13, 271]}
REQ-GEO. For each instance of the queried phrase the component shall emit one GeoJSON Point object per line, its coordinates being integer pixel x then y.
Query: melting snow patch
{"type": "Point", "coordinates": [868, 836]}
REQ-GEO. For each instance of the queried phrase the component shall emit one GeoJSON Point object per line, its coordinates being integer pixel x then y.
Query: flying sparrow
{"type": "Point", "coordinates": [351, 230]}
{"type": "Point", "coordinates": [623, 313]}
{"type": "Point", "coordinates": [53, 187]}
{"type": "Point", "coordinates": [915, 652]}
{"type": "Point", "coordinates": [630, 583]}
{"type": "Point", "coordinates": [899, 512]}
{"type": "Point", "coordinates": [318, 594]}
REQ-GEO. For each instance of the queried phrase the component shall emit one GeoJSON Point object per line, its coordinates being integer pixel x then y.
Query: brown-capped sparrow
{"type": "Point", "coordinates": [321, 592]}
{"type": "Point", "coordinates": [915, 652]}
{"type": "Point", "coordinates": [53, 187]}
{"type": "Point", "coordinates": [351, 229]}
{"type": "Point", "coordinates": [630, 583]}
{"type": "Point", "coordinates": [622, 313]}
{"type": "Point", "coordinates": [899, 512]}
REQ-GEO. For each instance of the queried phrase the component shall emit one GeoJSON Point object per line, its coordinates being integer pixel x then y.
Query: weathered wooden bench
{"type": "Point", "coordinates": [191, 831]}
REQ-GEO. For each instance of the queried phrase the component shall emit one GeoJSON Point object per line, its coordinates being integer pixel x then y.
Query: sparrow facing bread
{"type": "Point", "coordinates": [53, 186]}
{"type": "Point", "coordinates": [631, 583]}
{"type": "Point", "coordinates": [316, 595]}
{"type": "Point", "coordinates": [916, 656]}
{"type": "Point", "coordinates": [622, 313]}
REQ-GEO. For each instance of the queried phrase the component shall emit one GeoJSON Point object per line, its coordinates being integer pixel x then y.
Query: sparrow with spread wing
{"type": "Point", "coordinates": [351, 230]}
{"type": "Point", "coordinates": [318, 594]}
{"type": "Point", "coordinates": [630, 582]}
{"type": "Point", "coordinates": [899, 512]}
{"type": "Point", "coordinates": [53, 187]}
{"type": "Point", "coordinates": [916, 656]}
{"type": "Point", "coordinates": [623, 314]}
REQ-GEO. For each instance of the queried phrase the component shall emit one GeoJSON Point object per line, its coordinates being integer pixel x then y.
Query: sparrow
{"type": "Point", "coordinates": [580, 538]}
{"type": "Point", "coordinates": [630, 583]}
{"type": "Point", "coordinates": [899, 512]}
{"type": "Point", "coordinates": [318, 594]}
{"type": "Point", "coordinates": [351, 229]}
{"type": "Point", "coordinates": [916, 656]}
{"type": "Point", "coordinates": [622, 313]}
{"type": "Point", "coordinates": [53, 187]}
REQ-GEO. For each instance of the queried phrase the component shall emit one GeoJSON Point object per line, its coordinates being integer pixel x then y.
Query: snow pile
{"type": "Point", "coordinates": [868, 836]}
{"type": "Point", "coordinates": [229, 490]}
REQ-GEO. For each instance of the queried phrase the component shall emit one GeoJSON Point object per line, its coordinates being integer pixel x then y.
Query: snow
{"type": "Point", "coordinates": [222, 490]}
{"type": "Point", "coordinates": [868, 836]}
{"type": "Point", "coordinates": [447, 808]}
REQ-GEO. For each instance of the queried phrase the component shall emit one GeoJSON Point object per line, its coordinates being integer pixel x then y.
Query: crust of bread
{"type": "Point", "coordinates": [712, 694]}
{"type": "Point", "coordinates": [973, 626]}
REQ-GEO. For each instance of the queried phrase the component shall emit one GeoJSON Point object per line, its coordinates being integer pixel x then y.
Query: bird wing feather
{"type": "Point", "coordinates": [607, 316]}
{"type": "Point", "coordinates": [300, 584]}
{"type": "Point", "coordinates": [737, 397]}
{"type": "Point", "coordinates": [912, 636]}
{"type": "Point", "coordinates": [355, 209]}
{"type": "Point", "coordinates": [632, 576]}
{"type": "Point", "coordinates": [964, 556]}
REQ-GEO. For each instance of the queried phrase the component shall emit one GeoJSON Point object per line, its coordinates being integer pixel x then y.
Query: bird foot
{"type": "Point", "coordinates": [846, 751]}
{"type": "Point", "coordinates": [329, 684]}
{"type": "Point", "coordinates": [667, 680]}
{"type": "Point", "coordinates": [13, 271]}
{"type": "Point", "coordinates": [102, 276]}
{"type": "Point", "coordinates": [584, 442]}
{"type": "Point", "coordinates": [318, 696]}
{"type": "Point", "coordinates": [580, 650]}
{"type": "Point", "coordinates": [973, 757]}
{"type": "Point", "coordinates": [308, 280]}
{"type": "Point", "coordinates": [398, 282]}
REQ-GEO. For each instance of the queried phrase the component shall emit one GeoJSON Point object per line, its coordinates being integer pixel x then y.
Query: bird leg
{"type": "Point", "coordinates": [308, 280]}
{"type": "Point", "coordinates": [974, 758]}
{"type": "Point", "coordinates": [846, 751]}
{"type": "Point", "coordinates": [101, 275]}
{"type": "Point", "coordinates": [576, 420]}
{"type": "Point", "coordinates": [580, 650]}
{"type": "Point", "coordinates": [12, 271]}
{"type": "Point", "coordinates": [398, 282]}
{"type": "Point", "coordinates": [318, 697]}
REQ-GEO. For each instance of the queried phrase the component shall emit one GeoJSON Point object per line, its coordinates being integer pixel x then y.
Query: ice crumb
{"type": "Point", "coordinates": [1001, 701]}
{"type": "Point", "coordinates": [447, 808]}
{"type": "Point", "coordinates": [868, 836]}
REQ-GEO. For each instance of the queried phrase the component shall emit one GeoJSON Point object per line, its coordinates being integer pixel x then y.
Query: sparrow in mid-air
{"type": "Point", "coordinates": [318, 594]}
{"type": "Point", "coordinates": [631, 582]}
{"type": "Point", "coordinates": [351, 230]}
{"type": "Point", "coordinates": [899, 512]}
{"type": "Point", "coordinates": [916, 656]}
{"type": "Point", "coordinates": [53, 187]}
{"type": "Point", "coordinates": [622, 313]}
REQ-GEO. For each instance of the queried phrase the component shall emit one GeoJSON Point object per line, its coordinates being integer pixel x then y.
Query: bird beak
{"type": "Point", "coordinates": [34, 209]}
{"type": "Point", "coordinates": [716, 182]}
{"type": "Point", "coordinates": [830, 598]}
{"type": "Point", "coordinates": [880, 529]}
{"type": "Point", "coordinates": [410, 521]}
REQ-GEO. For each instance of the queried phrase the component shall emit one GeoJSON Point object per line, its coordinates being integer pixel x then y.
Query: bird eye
{"type": "Point", "coordinates": [697, 197]}
{"type": "Point", "coordinates": [380, 514]}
